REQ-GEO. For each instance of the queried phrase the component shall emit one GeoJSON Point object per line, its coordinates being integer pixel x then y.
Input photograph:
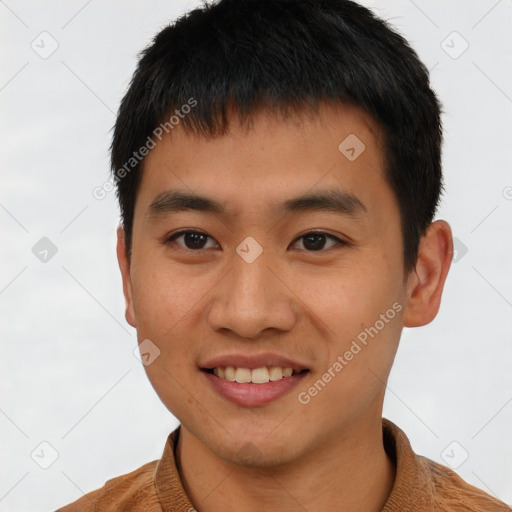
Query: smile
{"type": "Point", "coordinates": [260, 375]}
{"type": "Point", "coordinates": [255, 387]}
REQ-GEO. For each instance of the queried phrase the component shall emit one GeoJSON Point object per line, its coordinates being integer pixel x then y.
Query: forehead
{"type": "Point", "coordinates": [271, 159]}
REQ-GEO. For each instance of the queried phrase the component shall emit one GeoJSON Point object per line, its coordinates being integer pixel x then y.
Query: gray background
{"type": "Point", "coordinates": [69, 376]}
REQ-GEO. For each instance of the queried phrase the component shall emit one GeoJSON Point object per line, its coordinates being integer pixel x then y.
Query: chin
{"type": "Point", "coordinates": [256, 449]}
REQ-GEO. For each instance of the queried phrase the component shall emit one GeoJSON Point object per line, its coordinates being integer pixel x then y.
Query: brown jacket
{"type": "Point", "coordinates": [421, 485]}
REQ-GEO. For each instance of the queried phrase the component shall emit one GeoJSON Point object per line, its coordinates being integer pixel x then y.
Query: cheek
{"type": "Point", "coordinates": [166, 305]}
{"type": "Point", "coordinates": [363, 311]}
{"type": "Point", "coordinates": [353, 376]}
{"type": "Point", "coordinates": [164, 297]}
{"type": "Point", "coordinates": [350, 299]}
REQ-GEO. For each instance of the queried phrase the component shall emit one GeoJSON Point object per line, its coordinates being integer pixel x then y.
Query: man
{"type": "Point", "coordinates": [278, 170]}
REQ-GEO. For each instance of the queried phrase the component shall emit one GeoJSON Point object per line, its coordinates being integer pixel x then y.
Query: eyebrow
{"type": "Point", "coordinates": [172, 201]}
{"type": "Point", "coordinates": [332, 200]}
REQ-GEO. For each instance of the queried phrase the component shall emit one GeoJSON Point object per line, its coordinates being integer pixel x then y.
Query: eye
{"type": "Point", "coordinates": [192, 240]}
{"type": "Point", "coordinates": [316, 241]}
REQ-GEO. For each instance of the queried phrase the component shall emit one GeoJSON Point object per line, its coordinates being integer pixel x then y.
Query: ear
{"type": "Point", "coordinates": [426, 282]}
{"type": "Point", "coordinates": [124, 266]}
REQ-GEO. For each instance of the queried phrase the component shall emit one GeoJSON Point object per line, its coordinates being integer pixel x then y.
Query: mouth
{"type": "Point", "coordinates": [253, 387]}
{"type": "Point", "coordinates": [261, 375]}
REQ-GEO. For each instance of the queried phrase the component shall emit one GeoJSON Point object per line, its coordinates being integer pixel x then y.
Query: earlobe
{"type": "Point", "coordinates": [124, 266]}
{"type": "Point", "coordinates": [426, 282]}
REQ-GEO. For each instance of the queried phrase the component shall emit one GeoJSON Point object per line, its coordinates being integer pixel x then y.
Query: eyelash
{"type": "Point", "coordinates": [339, 243]}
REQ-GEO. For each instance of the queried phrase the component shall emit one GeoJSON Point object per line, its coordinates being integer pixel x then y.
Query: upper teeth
{"type": "Point", "coordinates": [256, 376]}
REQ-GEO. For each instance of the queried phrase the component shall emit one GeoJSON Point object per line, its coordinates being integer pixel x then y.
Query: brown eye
{"type": "Point", "coordinates": [317, 242]}
{"type": "Point", "coordinates": [195, 240]}
{"type": "Point", "coordinates": [314, 242]}
{"type": "Point", "coordinates": [192, 240]}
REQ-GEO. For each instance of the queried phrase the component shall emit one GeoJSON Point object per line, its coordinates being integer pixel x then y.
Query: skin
{"type": "Point", "coordinates": [195, 304]}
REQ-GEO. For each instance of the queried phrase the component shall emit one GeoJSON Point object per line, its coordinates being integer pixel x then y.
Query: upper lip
{"type": "Point", "coordinates": [253, 361]}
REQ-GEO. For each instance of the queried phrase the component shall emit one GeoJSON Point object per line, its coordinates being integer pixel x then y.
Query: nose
{"type": "Point", "coordinates": [253, 298]}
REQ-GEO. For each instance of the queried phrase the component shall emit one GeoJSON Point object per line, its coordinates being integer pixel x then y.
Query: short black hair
{"type": "Point", "coordinates": [285, 55]}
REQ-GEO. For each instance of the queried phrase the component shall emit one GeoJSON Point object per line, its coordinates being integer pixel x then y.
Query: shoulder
{"type": "Point", "coordinates": [424, 485]}
{"type": "Point", "coordinates": [122, 493]}
{"type": "Point", "coordinates": [452, 493]}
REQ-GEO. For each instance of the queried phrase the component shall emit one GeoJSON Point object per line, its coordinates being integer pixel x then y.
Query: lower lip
{"type": "Point", "coordinates": [253, 395]}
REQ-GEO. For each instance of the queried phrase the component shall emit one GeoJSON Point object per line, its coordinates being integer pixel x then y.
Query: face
{"type": "Point", "coordinates": [269, 248]}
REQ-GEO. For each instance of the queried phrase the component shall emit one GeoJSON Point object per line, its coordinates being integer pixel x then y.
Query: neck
{"type": "Point", "coordinates": [350, 473]}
